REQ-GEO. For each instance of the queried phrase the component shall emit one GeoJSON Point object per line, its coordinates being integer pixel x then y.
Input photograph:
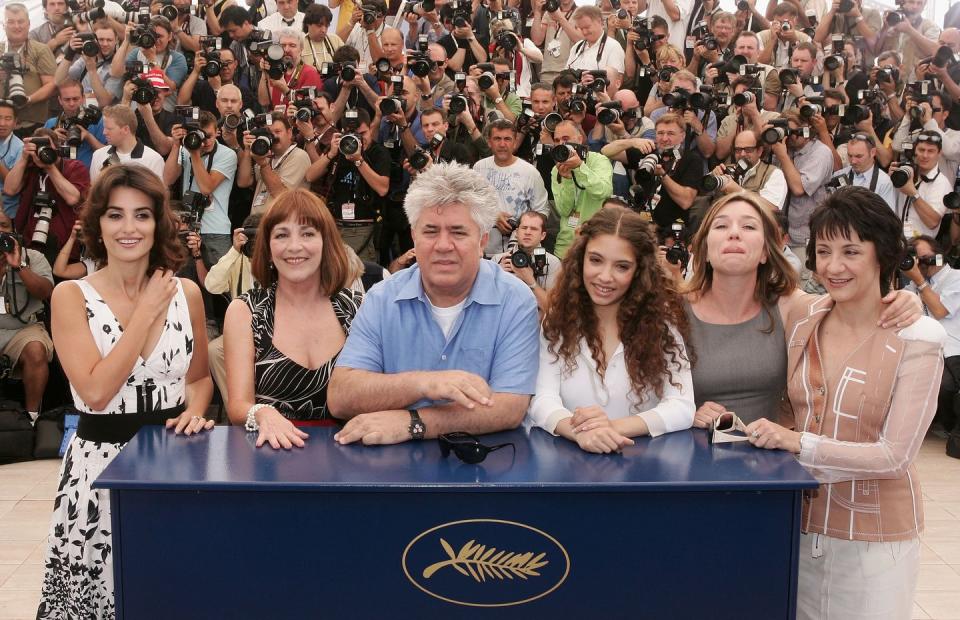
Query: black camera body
{"type": "Point", "coordinates": [562, 152]}
{"type": "Point", "coordinates": [347, 71]}
{"type": "Point", "coordinates": [779, 130]}
{"type": "Point", "coordinates": [677, 254]}
{"type": "Point", "coordinates": [259, 41]}
{"type": "Point", "coordinates": [145, 92]}
{"type": "Point", "coordinates": [89, 45]}
{"type": "Point", "coordinates": [263, 141]}
{"type": "Point", "coordinates": [420, 64]}
{"type": "Point", "coordinates": [715, 182]}
{"type": "Point", "coordinates": [350, 144]}
{"type": "Point", "coordinates": [520, 259]}
{"type": "Point", "coordinates": [9, 242]}
{"type": "Point", "coordinates": [195, 203]}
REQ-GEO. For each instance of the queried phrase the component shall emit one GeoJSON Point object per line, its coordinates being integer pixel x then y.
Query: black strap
{"type": "Point", "coordinates": [209, 166]}
{"type": "Point", "coordinates": [873, 179]}
{"type": "Point", "coordinates": [582, 47]}
{"type": "Point", "coordinates": [120, 428]}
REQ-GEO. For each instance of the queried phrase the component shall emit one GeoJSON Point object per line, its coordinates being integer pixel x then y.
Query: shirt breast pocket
{"type": "Point", "coordinates": [475, 360]}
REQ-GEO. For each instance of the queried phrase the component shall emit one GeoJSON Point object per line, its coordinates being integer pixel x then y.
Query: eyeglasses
{"type": "Point", "coordinates": [936, 110]}
{"type": "Point", "coordinates": [467, 447]}
{"type": "Point", "coordinates": [728, 428]}
{"type": "Point", "coordinates": [744, 149]}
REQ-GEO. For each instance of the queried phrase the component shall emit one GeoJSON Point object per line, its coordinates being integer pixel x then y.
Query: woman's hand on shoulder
{"type": "Point", "coordinates": [189, 424]}
{"type": "Point", "coordinates": [766, 434]}
{"type": "Point", "coordinates": [278, 431]}
{"type": "Point", "coordinates": [156, 296]}
{"type": "Point", "coordinates": [603, 440]}
{"type": "Point", "coordinates": [903, 309]}
{"type": "Point", "coordinates": [707, 413]}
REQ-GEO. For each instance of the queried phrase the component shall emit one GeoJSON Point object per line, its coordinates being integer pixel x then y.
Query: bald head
{"type": "Point", "coordinates": [627, 98]}
{"type": "Point", "coordinates": [392, 43]}
{"type": "Point", "coordinates": [229, 100]}
{"type": "Point", "coordinates": [951, 38]}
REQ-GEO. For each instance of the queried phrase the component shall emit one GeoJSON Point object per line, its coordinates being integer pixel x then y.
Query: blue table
{"type": "Point", "coordinates": [210, 527]}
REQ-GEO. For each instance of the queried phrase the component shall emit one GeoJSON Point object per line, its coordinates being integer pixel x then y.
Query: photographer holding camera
{"type": "Point", "coordinates": [722, 28]}
{"type": "Point", "coordinates": [754, 174]}
{"type": "Point", "coordinates": [553, 31]}
{"type": "Point", "coordinates": [463, 47]}
{"type": "Point", "coordinates": [151, 44]}
{"type": "Point", "coordinates": [778, 43]}
{"type": "Point", "coordinates": [527, 259]}
{"type": "Point", "coordinates": [51, 188]}
{"type": "Point", "coordinates": [619, 120]}
{"type": "Point", "coordinates": [498, 99]}
{"type": "Point", "coordinates": [93, 71]}
{"type": "Point", "coordinates": [807, 164]}
{"type": "Point", "coordinates": [581, 181]}
{"type": "Point", "coordinates": [26, 282]}
{"type": "Point", "coordinates": [207, 172]}
{"type": "Point", "coordinates": [187, 27]}
{"type": "Point", "coordinates": [521, 53]}
{"type": "Point", "coordinates": [908, 33]}
{"type": "Point", "coordinates": [938, 285]}
{"type": "Point", "coordinates": [797, 81]}
{"type": "Point", "coordinates": [921, 185]}
{"type": "Point", "coordinates": [279, 78]}
{"type": "Point", "coordinates": [204, 90]}
{"type": "Point", "coordinates": [120, 127]}
{"type": "Point", "coordinates": [55, 32]}
{"type": "Point", "coordinates": [745, 115]}
{"type": "Point", "coordinates": [518, 183]}
{"type": "Point", "coordinates": [675, 12]}
{"type": "Point", "coordinates": [319, 44]}
{"type": "Point", "coordinates": [355, 174]}
{"type": "Point", "coordinates": [437, 84]}
{"type": "Point", "coordinates": [364, 30]}
{"type": "Point", "coordinates": [77, 121]}
{"type": "Point", "coordinates": [748, 46]}
{"type": "Point", "coordinates": [282, 166]}
{"type": "Point", "coordinates": [930, 113]}
{"type": "Point", "coordinates": [236, 23]}
{"type": "Point", "coordinates": [597, 50]}
{"type": "Point", "coordinates": [11, 146]}
{"type": "Point", "coordinates": [701, 124]}
{"type": "Point", "coordinates": [850, 17]}
{"type": "Point", "coordinates": [347, 86]}
{"type": "Point", "coordinates": [864, 171]}
{"type": "Point", "coordinates": [26, 71]}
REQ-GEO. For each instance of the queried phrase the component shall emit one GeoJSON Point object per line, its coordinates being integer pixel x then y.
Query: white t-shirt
{"type": "Point", "coordinates": [359, 40]}
{"type": "Point", "coordinates": [932, 192]}
{"type": "Point", "coordinates": [519, 189]}
{"type": "Point", "coordinates": [446, 317]}
{"type": "Point", "coordinates": [678, 29]}
{"type": "Point", "coordinates": [606, 52]}
{"type": "Point", "coordinates": [150, 160]}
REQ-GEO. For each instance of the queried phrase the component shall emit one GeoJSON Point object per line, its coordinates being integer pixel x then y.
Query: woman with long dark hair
{"type": "Point", "coordinates": [612, 358]}
{"type": "Point", "coordinates": [136, 353]}
{"type": "Point", "coordinates": [863, 397]}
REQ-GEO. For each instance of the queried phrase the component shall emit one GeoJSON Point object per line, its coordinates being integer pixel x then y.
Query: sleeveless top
{"type": "Point", "coordinates": [740, 366]}
{"type": "Point", "coordinates": [298, 393]}
{"type": "Point", "coordinates": [157, 382]}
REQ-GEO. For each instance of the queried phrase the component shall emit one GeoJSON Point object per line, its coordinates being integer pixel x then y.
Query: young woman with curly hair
{"type": "Point", "coordinates": [612, 360]}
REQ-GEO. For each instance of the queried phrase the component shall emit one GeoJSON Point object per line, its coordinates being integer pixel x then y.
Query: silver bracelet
{"type": "Point", "coordinates": [251, 424]}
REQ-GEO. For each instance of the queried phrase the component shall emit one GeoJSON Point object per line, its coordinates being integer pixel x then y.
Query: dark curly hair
{"type": "Point", "coordinates": [647, 312]}
{"type": "Point", "coordinates": [167, 251]}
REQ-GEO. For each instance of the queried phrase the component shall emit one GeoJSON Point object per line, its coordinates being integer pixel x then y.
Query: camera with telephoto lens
{"type": "Point", "coordinates": [505, 40]}
{"type": "Point", "coordinates": [277, 63]}
{"type": "Point", "coordinates": [789, 77]}
{"type": "Point", "coordinates": [779, 130]}
{"type": "Point", "coordinates": [422, 155]}
{"type": "Point", "coordinates": [576, 103]}
{"type": "Point", "coordinates": [143, 37]}
{"type": "Point", "coordinates": [888, 74]}
{"type": "Point", "coordinates": [703, 99]}
{"type": "Point", "coordinates": [259, 41]}
{"type": "Point", "coordinates": [462, 12]}
{"type": "Point", "coordinates": [210, 47]}
{"type": "Point", "coordinates": [195, 203]}
{"type": "Point", "coordinates": [89, 46]}
{"type": "Point", "coordinates": [169, 10]}
{"type": "Point", "coordinates": [263, 141]}
{"type": "Point", "coordinates": [88, 17]}
{"type": "Point", "coordinates": [13, 67]}
{"type": "Point", "coordinates": [836, 183]}
{"type": "Point", "coordinates": [812, 107]}
{"type": "Point", "coordinates": [43, 213]}
{"type": "Point", "coordinates": [458, 103]}
{"type": "Point", "coordinates": [145, 93]}
{"type": "Point", "coordinates": [394, 104]}
{"type": "Point", "coordinates": [845, 6]}
{"type": "Point", "coordinates": [664, 158]}
{"type": "Point", "coordinates": [704, 37]}
{"type": "Point", "coordinates": [370, 15]}
{"type": "Point", "coordinates": [347, 71]}
{"type": "Point", "coordinates": [48, 154]}
{"type": "Point", "coordinates": [193, 140]}
{"type": "Point", "coordinates": [943, 57]}
{"type": "Point", "coordinates": [849, 115]}
{"type": "Point", "coordinates": [905, 169]}
{"type": "Point", "coordinates": [727, 67]}
{"type": "Point", "coordinates": [521, 260]}
{"type": "Point", "coordinates": [871, 96]}
{"type": "Point", "coordinates": [306, 111]}
{"type": "Point", "coordinates": [610, 112]}
{"type": "Point", "coordinates": [645, 36]}
{"type": "Point", "coordinates": [895, 17]}
{"type": "Point", "coordinates": [8, 242]}
{"type": "Point", "coordinates": [911, 259]}
{"type": "Point", "coordinates": [420, 64]}
{"type": "Point", "coordinates": [677, 254]}
{"type": "Point", "coordinates": [562, 152]}
{"type": "Point", "coordinates": [833, 62]}
{"type": "Point", "coordinates": [88, 115]}
{"type": "Point", "coordinates": [488, 78]}
{"type": "Point", "coordinates": [350, 144]}
{"type": "Point", "coordinates": [550, 121]}
{"type": "Point", "coordinates": [735, 171]}
{"type": "Point", "coordinates": [677, 99]}
{"type": "Point", "coordinates": [742, 99]}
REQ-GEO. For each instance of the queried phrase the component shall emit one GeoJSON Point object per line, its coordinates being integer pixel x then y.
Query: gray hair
{"type": "Point", "coordinates": [447, 184]}
{"type": "Point", "coordinates": [289, 33]}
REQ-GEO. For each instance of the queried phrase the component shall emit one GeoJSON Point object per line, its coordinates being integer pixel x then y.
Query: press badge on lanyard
{"type": "Point", "coordinates": [573, 220]}
{"type": "Point", "coordinates": [348, 211]}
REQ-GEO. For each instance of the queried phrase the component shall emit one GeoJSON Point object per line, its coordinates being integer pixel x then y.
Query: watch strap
{"type": "Point", "coordinates": [417, 428]}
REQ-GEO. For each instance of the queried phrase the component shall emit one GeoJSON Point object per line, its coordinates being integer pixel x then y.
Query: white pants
{"type": "Point", "coordinates": [856, 580]}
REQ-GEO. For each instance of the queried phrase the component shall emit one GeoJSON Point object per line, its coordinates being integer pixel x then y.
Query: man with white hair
{"type": "Point", "coordinates": [450, 344]}
{"type": "Point", "coordinates": [278, 91]}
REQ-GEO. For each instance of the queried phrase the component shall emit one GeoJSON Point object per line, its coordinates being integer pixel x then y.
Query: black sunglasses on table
{"type": "Point", "coordinates": [467, 447]}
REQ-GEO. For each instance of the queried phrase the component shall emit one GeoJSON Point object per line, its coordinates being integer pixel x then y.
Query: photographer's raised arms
{"type": "Point", "coordinates": [605, 218]}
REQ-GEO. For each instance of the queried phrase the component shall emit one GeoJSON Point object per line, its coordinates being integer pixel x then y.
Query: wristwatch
{"type": "Point", "coordinates": [498, 101]}
{"type": "Point", "coordinates": [416, 428]}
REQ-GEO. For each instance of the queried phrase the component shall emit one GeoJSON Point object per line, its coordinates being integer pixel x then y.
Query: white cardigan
{"type": "Point", "coordinates": [559, 393]}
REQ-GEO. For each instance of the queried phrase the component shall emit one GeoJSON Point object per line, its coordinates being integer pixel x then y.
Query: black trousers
{"type": "Point", "coordinates": [394, 228]}
{"type": "Point", "coordinates": [948, 403]}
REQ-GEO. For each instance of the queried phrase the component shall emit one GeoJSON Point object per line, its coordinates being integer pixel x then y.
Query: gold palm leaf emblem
{"type": "Point", "coordinates": [477, 561]}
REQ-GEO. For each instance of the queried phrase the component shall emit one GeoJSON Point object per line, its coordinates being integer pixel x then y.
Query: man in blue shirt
{"type": "Point", "coordinates": [864, 170]}
{"type": "Point", "coordinates": [91, 136]}
{"type": "Point", "coordinates": [450, 344]}
{"type": "Point", "coordinates": [10, 148]}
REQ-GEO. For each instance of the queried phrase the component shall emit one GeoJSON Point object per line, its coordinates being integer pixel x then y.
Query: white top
{"type": "Point", "coordinates": [519, 188]}
{"type": "Point", "coordinates": [946, 284]}
{"type": "Point", "coordinates": [558, 393]}
{"type": "Point", "coordinates": [446, 317]}
{"type": "Point", "coordinates": [678, 29]}
{"type": "Point", "coordinates": [932, 193]}
{"type": "Point", "coordinates": [359, 40]}
{"type": "Point", "coordinates": [275, 23]}
{"type": "Point", "coordinates": [583, 56]}
{"type": "Point", "coordinates": [151, 160]}
{"type": "Point", "coordinates": [774, 190]}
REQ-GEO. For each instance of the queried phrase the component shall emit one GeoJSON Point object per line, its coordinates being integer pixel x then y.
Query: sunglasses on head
{"type": "Point", "coordinates": [467, 447]}
{"type": "Point", "coordinates": [932, 138]}
{"type": "Point", "coordinates": [861, 137]}
{"type": "Point", "coordinates": [728, 428]}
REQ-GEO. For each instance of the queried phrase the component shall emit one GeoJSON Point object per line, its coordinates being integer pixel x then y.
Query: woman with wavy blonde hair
{"type": "Point", "coordinates": [736, 303]}
{"type": "Point", "coordinates": [612, 359]}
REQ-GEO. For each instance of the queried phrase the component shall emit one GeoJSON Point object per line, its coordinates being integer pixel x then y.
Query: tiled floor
{"type": "Point", "coordinates": [27, 491]}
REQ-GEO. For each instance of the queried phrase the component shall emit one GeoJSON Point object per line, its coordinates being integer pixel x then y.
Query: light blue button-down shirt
{"type": "Point", "coordinates": [10, 150]}
{"type": "Point", "coordinates": [884, 187]}
{"type": "Point", "coordinates": [495, 336]}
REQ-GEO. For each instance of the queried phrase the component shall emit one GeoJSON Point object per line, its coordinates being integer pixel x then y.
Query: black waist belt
{"type": "Point", "coordinates": [121, 427]}
{"type": "Point", "coordinates": [353, 224]}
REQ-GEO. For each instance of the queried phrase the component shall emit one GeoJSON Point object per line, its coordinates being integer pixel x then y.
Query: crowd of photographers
{"type": "Point", "coordinates": [659, 105]}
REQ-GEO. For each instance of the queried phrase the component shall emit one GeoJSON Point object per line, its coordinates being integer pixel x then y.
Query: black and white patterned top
{"type": "Point", "coordinates": [298, 393]}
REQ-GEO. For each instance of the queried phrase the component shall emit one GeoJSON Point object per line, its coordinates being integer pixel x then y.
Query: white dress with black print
{"type": "Point", "coordinates": [78, 583]}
